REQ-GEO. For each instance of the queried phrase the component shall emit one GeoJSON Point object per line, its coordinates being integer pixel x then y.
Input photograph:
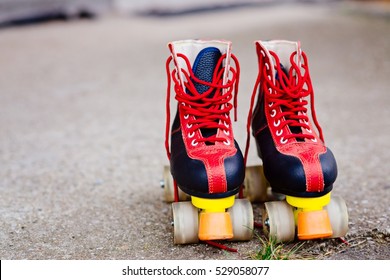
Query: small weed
{"type": "Point", "coordinates": [271, 250]}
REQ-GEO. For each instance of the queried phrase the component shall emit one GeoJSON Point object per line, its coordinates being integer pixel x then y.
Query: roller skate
{"type": "Point", "coordinates": [295, 161]}
{"type": "Point", "coordinates": [206, 163]}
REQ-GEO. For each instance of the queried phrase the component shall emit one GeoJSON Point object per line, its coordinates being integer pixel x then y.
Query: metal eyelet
{"type": "Point", "coordinates": [273, 113]}
{"type": "Point", "coordinates": [194, 143]}
{"type": "Point", "coordinates": [283, 141]}
{"type": "Point", "coordinates": [276, 124]}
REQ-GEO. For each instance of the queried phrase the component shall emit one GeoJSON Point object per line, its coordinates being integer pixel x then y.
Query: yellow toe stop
{"type": "Point", "coordinates": [314, 224]}
{"type": "Point", "coordinates": [215, 226]}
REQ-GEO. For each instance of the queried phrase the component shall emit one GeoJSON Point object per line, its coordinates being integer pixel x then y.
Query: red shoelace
{"type": "Point", "coordinates": [207, 110]}
{"type": "Point", "coordinates": [287, 92]}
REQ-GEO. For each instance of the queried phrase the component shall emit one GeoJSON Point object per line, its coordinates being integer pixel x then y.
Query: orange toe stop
{"type": "Point", "coordinates": [215, 226]}
{"type": "Point", "coordinates": [314, 224]}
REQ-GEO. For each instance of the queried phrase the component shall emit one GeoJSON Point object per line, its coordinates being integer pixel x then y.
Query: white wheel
{"type": "Point", "coordinates": [241, 214]}
{"type": "Point", "coordinates": [185, 223]}
{"type": "Point", "coordinates": [169, 187]}
{"type": "Point", "coordinates": [338, 215]}
{"type": "Point", "coordinates": [278, 221]}
{"type": "Point", "coordinates": [255, 184]}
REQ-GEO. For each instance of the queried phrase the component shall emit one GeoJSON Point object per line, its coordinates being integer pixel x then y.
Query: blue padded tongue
{"type": "Point", "coordinates": [204, 66]}
{"type": "Point", "coordinates": [283, 69]}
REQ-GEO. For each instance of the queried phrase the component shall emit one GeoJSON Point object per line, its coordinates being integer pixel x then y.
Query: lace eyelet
{"type": "Point", "coordinates": [226, 124]}
{"type": "Point", "coordinates": [309, 130]}
{"type": "Point", "coordinates": [267, 66]}
{"type": "Point", "coordinates": [314, 140]}
{"type": "Point", "coordinates": [270, 104]}
{"type": "Point", "coordinates": [279, 132]}
{"type": "Point", "coordinates": [186, 117]}
{"type": "Point", "coordinates": [189, 125]}
{"type": "Point", "coordinates": [226, 142]}
{"type": "Point", "coordinates": [227, 132]}
{"type": "Point", "coordinates": [194, 143]}
{"type": "Point", "coordinates": [283, 141]}
{"type": "Point", "coordinates": [262, 52]}
{"type": "Point", "coordinates": [190, 135]}
{"type": "Point", "coordinates": [273, 113]}
{"type": "Point", "coordinates": [276, 124]}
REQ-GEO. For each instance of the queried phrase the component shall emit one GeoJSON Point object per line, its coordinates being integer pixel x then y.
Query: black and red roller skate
{"type": "Point", "coordinates": [206, 163]}
{"type": "Point", "coordinates": [296, 162]}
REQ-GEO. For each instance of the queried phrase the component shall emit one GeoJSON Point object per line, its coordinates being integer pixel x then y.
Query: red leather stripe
{"type": "Point", "coordinates": [309, 155]}
{"type": "Point", "coordinates": [213, 159]}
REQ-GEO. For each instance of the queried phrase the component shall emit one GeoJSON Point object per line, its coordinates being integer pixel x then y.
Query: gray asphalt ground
{"type": "Point", "coordinates": [82, 121]}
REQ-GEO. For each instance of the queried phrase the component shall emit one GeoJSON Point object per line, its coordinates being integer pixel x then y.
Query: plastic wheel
{"type": "Point", "coordinates": [255, 184]}
{"type": "Point", "coordinates": [185, 223]}
{"type": "Point", "coordinates": [169, 187]}
{"type": "Point", "coordinates": [241, 214]}
{"type": "Point", "coordinates": [278, 221]}
{"type": "Point", "coordinates": [338, 215]}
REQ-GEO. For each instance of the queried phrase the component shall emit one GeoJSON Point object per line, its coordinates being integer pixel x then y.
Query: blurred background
{"type": "Point", "coordinates": [32, 11]}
